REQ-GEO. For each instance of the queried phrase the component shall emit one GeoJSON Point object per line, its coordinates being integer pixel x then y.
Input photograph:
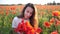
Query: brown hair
{"type": "Point", "coordinates": [33, 19]}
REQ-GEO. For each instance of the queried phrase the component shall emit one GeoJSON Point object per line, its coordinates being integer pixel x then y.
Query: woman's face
{"type": "Point", "coordinates": [28, 12]}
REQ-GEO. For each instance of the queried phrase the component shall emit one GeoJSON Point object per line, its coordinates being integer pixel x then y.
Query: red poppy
{"type": "Point", "coordinates": [56, 13]}
{"type": "Point", "coordinates": [19, 28]}
{"type": "Point", "coordinates": [13, 12]}
{"type": "Point", "coordinates": [7, 12]}
{"type": "Point", "coordinates": [2, 12]}
{"type": "Point", "coordinates": [54, 32]}
{"type": "Point", "coordinates": [52, 21]}
{"type": "Point", "coordinates": [28, 25]}
{"type": "Point", "coordinates": [57, 22]}
{"type": "Point", "coordinates": [59, 13]}
{"type": "Point", "coordinates": [47, 24]}
{"type": "Point", "coordinates": [39, 30]}
{"type": "Point", "coordinates": [13, 8]}
{"type": "Point", "coordinates": [32, 31]}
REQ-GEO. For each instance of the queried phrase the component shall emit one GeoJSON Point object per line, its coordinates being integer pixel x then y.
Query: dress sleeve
{"type": "Point", "coordinates": [14, 23]}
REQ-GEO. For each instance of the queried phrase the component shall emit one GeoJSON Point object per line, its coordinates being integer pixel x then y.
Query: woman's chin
{"type": "Point", "coordinates": [25, 18]}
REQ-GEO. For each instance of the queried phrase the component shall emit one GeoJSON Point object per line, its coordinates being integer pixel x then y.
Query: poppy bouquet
{"type": "Point", "coordinates": [26, 28]}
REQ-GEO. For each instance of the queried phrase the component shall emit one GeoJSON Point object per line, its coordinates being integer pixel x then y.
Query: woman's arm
{"type": "Point", "coordinates": [14, 25]}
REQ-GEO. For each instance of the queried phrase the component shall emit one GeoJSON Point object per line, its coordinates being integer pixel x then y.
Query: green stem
{"type": "Point", "coordinates": [55, 24]}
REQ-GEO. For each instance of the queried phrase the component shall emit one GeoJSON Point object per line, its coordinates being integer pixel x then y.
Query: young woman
{"type": "Point", "coordinates": [28, 14]}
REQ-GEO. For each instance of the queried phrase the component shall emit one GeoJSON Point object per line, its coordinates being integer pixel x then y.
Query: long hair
{"type": "Point", "coordinates": [33, 19]}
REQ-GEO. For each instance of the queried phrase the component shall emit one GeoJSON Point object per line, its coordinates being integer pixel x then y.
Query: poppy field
{"type": "Point", "coordinates": [49, 18]}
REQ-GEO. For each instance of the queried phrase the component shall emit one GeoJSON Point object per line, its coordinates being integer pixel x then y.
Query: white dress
{"type": "Point", "coordinates": [16, 21]}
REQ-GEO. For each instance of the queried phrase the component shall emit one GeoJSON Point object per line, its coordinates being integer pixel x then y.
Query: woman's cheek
{"type": "Point", "coordinates": [29, 15]}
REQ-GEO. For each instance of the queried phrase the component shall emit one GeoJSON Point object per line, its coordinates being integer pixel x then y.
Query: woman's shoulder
{"type": "Point", "coordinates": [15, 18]}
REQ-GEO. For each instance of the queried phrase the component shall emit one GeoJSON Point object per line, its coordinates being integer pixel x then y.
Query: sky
{"type": "Point", "coordinates": [42, 2]}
